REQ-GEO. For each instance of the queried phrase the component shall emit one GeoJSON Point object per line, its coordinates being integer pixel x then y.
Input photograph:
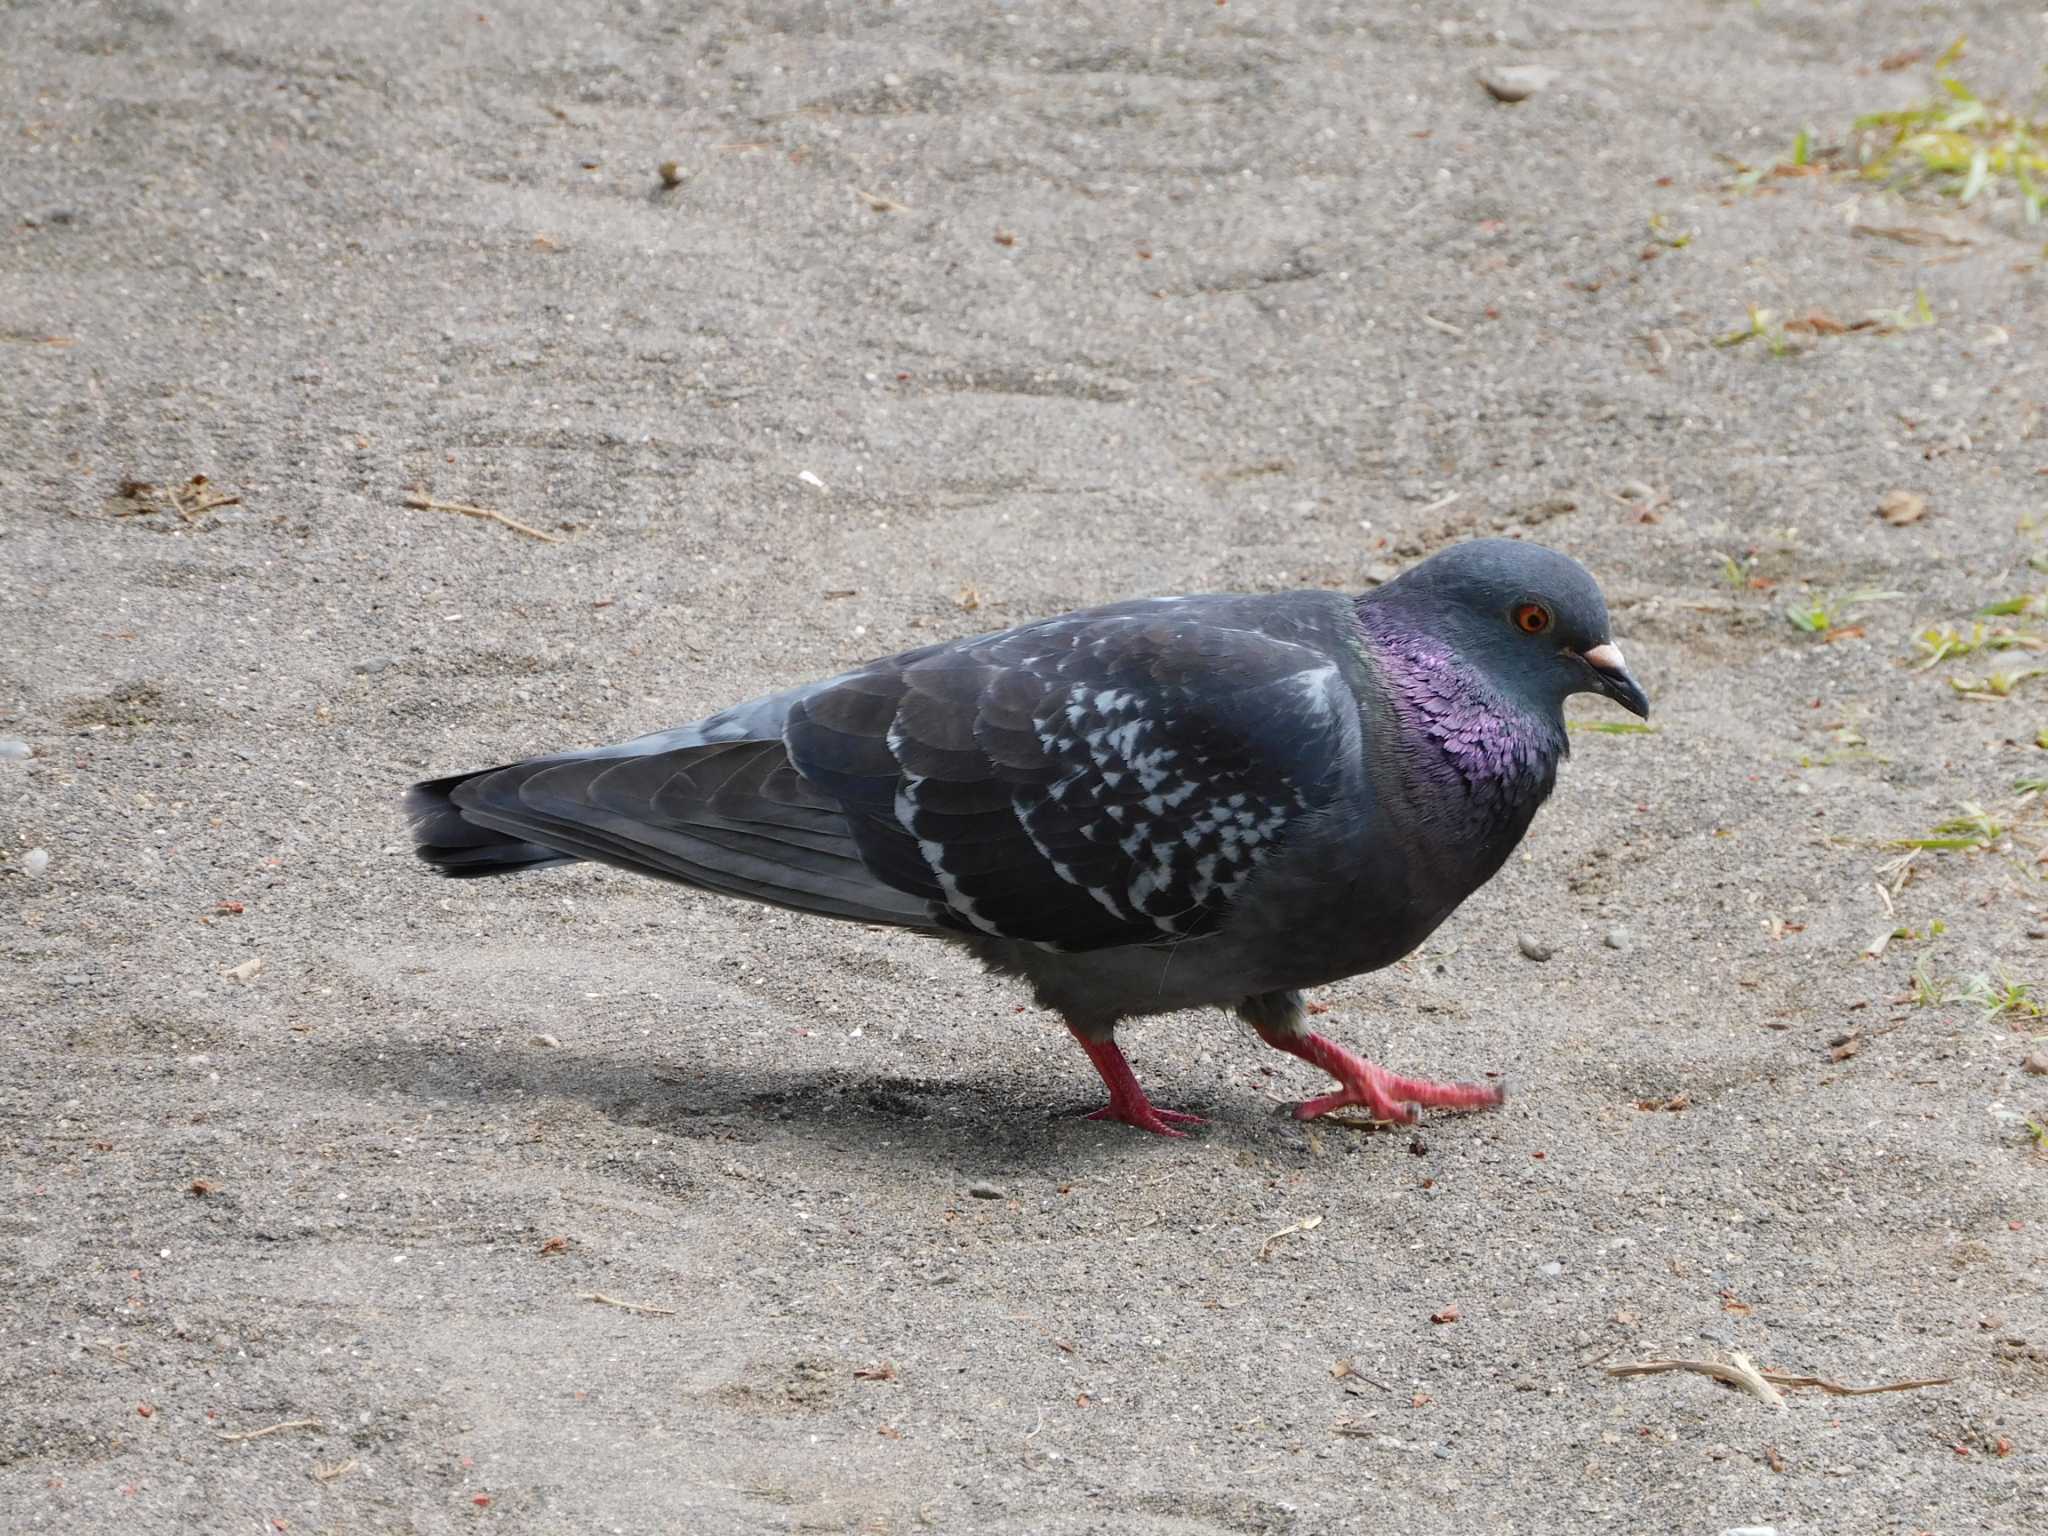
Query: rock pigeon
{"type": "Point", "coordinates": [1170, 803]}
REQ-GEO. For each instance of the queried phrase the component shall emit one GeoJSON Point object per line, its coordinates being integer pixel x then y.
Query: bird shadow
{"type": "Point", "coordinates": [991, 1120]}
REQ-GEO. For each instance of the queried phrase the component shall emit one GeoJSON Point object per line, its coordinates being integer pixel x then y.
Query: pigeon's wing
{"type": "Point", "coordinates": [705, 805]}
{"type": "Point", "coordinates": [1109, 778]}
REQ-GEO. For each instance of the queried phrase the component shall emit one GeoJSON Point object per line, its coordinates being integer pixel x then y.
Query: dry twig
{"type": "Point", "coordinates": [1306, 1224]}
{"type": "Point", "coordinates": [1836, 1389]}
{"type": "Point", "coordinates": [272, 1429]}
{"type": "Point", "coordinates": [189, 500]}
{"type": "Point", "coordinates": [429, 504]}
{"type": "Point", "coordinates": [329, 1474]}
{"type": "Point", "coordinates": [1741, 1371]}
{"type": "Point", "coordinates": [627, 1306]}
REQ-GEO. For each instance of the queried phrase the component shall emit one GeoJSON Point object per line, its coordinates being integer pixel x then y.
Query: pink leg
{"type": "Point", "coordinates": [1127, 1101]}
{"type": "Point", "coordinates": [1385, 1095]}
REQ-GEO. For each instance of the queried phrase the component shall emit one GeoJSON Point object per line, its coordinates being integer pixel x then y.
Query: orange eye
{"type": "Point", "coordinates": [1532, 618]}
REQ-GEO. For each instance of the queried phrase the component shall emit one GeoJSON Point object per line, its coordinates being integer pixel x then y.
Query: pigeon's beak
{"type": "Point", "coordinates": [1610, 676]}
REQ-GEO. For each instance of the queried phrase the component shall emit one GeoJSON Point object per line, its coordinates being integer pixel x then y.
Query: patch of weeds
{"type": "Point", "coordinates": [2038, 1134]}
{"type": "Point", "coordinates": [1820, 614]}
{"type": "Point", "coordinates": [1802, 158]}
{"type": "Point", "coordinates": [1763, 326]}
{"type": "Point", "coordinates": [2000, 997]}
{"type": "Point", "coordinates": [2010, 607]}
{"type": "Point", "coordinates": [1611, 727]}
{"type": "Point", "coordinates": [1923, 990]}
{"type": "Point", "coordinates": [1971, 830]}
{"type": "Point", "coordinates": [1778, 333]}
{"type": "Point", "coordinates": [1671, 239]}
{"type": "Point", "coordinates": [1941, 642]}
{"type": "Point", "coordinates": [1907, 317]}
{"type": "Point", "coordinates": [1957, 145]}
{"type": "Point", "coordinates": [1994, 685]}
{"type": "Point", "coordinates": [1849, 747]}
{"type": "Point", "coordinates": [1935, 930]}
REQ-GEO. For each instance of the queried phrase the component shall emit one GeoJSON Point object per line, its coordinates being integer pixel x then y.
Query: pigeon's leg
{"type": "Point", "coordinates": [1127, 1101]}
{"type": "Point", "coordinates": [1281, 1023]}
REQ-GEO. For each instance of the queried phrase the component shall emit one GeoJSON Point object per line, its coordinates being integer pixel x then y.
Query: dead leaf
{"type": "Point", "coordinates": [1447, 1315]}
{"type": "Point", "coordinates": [1673, 1104]}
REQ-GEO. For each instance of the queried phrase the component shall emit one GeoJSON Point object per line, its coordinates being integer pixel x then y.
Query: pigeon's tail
{"type": "Point", "coordinates": [465, 849]}
{"type": "Point", "coordinates": [731, 816]}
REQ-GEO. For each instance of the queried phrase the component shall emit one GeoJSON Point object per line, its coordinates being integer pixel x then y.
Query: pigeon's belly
{"type": "Point", "coordinates": [1366, 902]}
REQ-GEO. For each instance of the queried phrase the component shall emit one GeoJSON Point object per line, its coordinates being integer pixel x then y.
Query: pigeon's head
{"type": "Point", "coordinates": [1531, 619]}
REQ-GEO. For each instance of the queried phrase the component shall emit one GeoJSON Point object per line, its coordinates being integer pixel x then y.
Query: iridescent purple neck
{"type": "Point", "coordinates": [1504, 756]}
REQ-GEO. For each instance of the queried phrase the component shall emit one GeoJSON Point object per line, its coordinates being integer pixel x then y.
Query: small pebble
{"type": "Point", "coordinates": [1533, 948]}
{"type": "Point", "coordinates": [1618, 937]}
{"type": "Point", "coordinates": [983, 1190]}
{"type": "Point", "coordinates": [1751, 1530]}
{"type": "Point", "coordinates": [2036, 1063]}
{"type": "Point", "coordinates": [1899, 508]}
{"type": "Point", "coordinates": [12, 751]}
{"type": "Point", "coordinates": [245, 972]}
{"type": "Point", "coordinates": [671, 173]}
{"type": "Point", "coordinates": [1553, 1269]}
{"type": "Point", "coordinates": [1516, 82]}
{"type": "Point", "coordinates": [549, 1041]}
{"type": "Point", "coordinates": [36, 860]}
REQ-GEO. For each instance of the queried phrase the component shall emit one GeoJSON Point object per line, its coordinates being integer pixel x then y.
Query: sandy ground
{"type": "Point", "coordinates": [964, 314]}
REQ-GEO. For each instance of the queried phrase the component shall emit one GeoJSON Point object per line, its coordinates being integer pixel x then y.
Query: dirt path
{"type": "Point", "coordinates": [961, 315]}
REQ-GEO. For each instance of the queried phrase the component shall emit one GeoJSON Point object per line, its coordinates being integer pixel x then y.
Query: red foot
{"type": "Point", "coordinates": [1384, 1095]}
{"type": "Point", "coordinates": [1127, 1101]}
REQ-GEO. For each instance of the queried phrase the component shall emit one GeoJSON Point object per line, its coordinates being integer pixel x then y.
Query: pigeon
{"type": "Point", "coordinates": [1167, 803]}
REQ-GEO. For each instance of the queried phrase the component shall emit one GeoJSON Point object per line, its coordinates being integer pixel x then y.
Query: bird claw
{"type": "Point", "coordinates": [1376, 1092]}
{"type": "Point", "coordinates": [1389, 1114]}
{"type": "Point", "coordinates": [1160, 1122]}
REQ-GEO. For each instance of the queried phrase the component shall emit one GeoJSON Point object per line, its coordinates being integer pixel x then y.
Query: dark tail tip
{"type": "Point", "coordinates": [460, 848]}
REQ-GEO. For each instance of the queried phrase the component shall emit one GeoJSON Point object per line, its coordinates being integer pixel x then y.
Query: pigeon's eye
{"type": "Point", "coordinates": [1532, 618]}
